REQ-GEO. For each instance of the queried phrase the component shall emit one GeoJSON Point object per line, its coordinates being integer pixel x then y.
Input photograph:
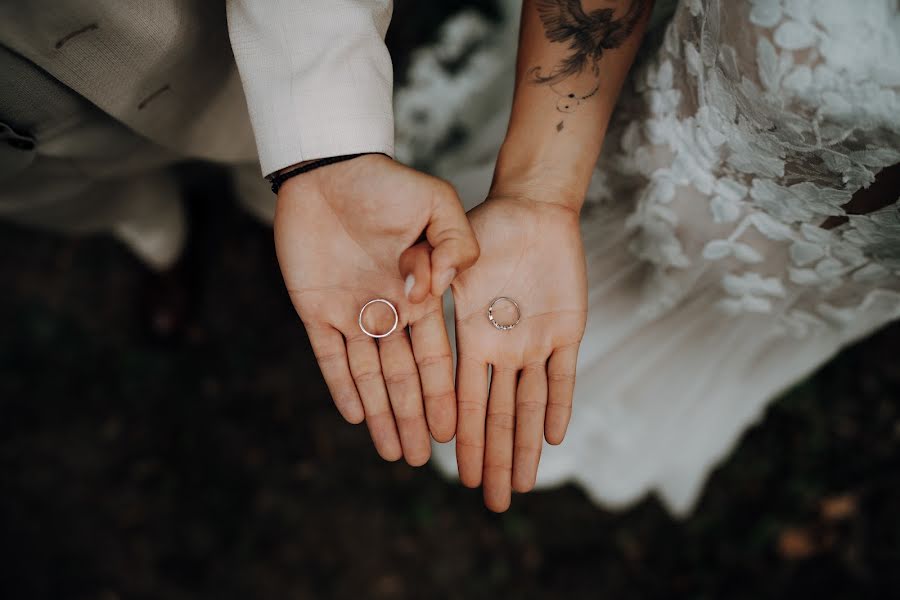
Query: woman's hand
{"type": "Point", "coordinates": [570, 68]}
{"type": "Point", "coordinates": [345, 234]}
{"type": "Point", "coordinates": [531, 252]}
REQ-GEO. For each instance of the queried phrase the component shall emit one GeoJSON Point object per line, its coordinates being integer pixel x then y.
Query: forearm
{"type": "Point", "coordinates": [574, 56]}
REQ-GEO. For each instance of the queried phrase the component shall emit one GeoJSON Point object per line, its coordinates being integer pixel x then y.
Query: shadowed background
{"type": "Point", "coordinates": [215, 465]}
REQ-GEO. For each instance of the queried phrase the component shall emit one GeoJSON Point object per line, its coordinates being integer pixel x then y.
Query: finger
{"type": "Point", "coordinates": [432, 351]}
{"type": "Point", "coordinates": [405, 391]}
{"type": "Point", "coordinates": [365, 366]}
{"type": "Point", "coordinates": [472, 396]}
{"type": "Point", "coordinates": [561, 385]}
{"type": "Point", "coordinates": [498, 448]}
{"type": "Point", "coordinates": [415, 267]}
{"type": "Point", "coordinates": [531, 407]}
{"type": "Point", "coordinates": [328, 347]}
{"type": "Point", "coordinates": [452, 238]}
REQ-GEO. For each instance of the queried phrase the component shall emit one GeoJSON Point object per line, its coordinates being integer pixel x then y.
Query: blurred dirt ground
{"type": "Point", "coordinates": [217, 467]}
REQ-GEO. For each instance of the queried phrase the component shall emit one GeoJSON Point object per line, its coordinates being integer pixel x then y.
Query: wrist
{"type": "Point", "coordinates": [539, 178]}
{"type": "Point", "coordinates": [279, 178]}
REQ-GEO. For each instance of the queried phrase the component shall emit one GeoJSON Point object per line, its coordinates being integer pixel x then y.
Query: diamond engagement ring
{"type": "Point", "coordinates": [508, 325]}
{"type": "Point", "coordinates": [378, 335]}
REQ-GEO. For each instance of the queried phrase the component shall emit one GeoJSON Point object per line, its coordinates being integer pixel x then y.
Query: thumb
{"type": "Point", "coordinates": [452, 239]}
{"type": "Point", "coordinates": [415, 268]}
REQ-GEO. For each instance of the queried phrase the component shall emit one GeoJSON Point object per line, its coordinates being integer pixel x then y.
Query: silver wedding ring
{"type": "Point", "coordinates": [378, 335]}
{"type": "Point", "coordinates": [503, 326]}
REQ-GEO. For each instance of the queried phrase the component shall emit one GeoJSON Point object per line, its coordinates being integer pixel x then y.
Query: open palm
{"type": "Point", "coordinates": [340, 236]}
{"type": "Point", "coordinates": [531, 252]}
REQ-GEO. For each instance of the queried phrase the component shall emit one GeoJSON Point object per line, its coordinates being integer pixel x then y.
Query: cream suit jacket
{"type": "Point", "coordinates": [313, 76]}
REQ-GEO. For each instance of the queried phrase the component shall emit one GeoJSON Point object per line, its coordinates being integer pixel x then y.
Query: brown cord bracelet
{"type": "Point", "coordinates": [278, 180]}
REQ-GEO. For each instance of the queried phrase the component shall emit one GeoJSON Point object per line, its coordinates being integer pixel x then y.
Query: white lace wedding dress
{"type": "Point", "coordinates": [713, 285]}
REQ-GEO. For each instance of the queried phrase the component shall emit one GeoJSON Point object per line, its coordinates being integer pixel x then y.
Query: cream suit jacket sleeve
{"type": "Point", "coordinates": [317, 77]}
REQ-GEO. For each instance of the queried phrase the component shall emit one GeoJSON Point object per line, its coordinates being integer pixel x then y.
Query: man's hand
{"type": "Point", "coordinates": [531, 252]}
{"type": "Point", "coordinates": [341, 234]}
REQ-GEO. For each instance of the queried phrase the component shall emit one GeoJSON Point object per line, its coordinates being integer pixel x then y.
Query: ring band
{"type": "Point", "coordinates": [376, 335]}
{"type": "Point", "coordinates": [504, 326]}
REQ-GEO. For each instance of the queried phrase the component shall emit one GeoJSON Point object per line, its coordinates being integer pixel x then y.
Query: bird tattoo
{"type": "Point", "coordinates": [588, 36]}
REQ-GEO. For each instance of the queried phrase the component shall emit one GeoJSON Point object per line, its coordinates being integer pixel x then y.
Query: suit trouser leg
{"type": "Point", "coordinates": [67, 166]}
{"type": "Point", "coordinates": [85, 172]}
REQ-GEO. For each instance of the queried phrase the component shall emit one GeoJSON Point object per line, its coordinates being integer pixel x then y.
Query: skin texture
{"type": "Point", "coordinates": [346, 234]}
{"type": "Point", "coordinates": [531, 243]}
{"type": "Point", "coordinates": [532, 253]}
{"type": "Point", "coordinates": [351, 232]}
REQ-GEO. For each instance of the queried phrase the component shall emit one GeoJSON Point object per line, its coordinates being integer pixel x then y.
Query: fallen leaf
{"type": "Point", "coordinates": [839, 508]}
{"type": "Point", "coordinates": [795, 543]}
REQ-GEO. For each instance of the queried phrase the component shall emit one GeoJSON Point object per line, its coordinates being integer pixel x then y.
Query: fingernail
{"type": "Point", "coordinates": [408, 284]}
{"type": "Point", "coordinates": [447, 277]}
